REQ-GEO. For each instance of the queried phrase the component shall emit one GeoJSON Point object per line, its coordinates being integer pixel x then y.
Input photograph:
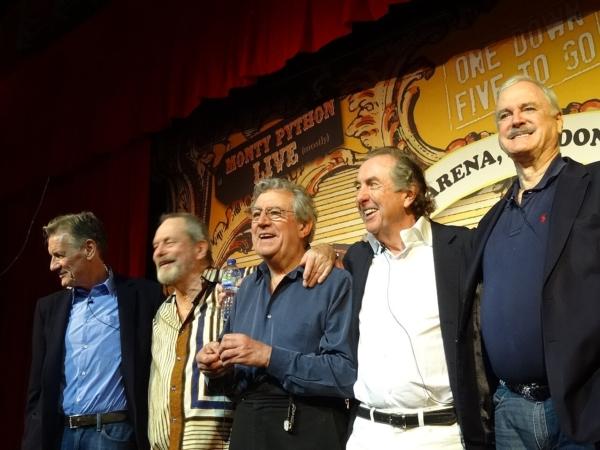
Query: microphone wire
{"type": "Point", "coordinates": [412, 348]}
{"type": "Point", "coordinates": [35, 214]}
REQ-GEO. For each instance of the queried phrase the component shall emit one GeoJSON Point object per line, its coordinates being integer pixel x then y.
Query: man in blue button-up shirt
{"type": "Point", "coordinates": [91, 347]}
{"type": "Point", "coordinates": [292, 349]}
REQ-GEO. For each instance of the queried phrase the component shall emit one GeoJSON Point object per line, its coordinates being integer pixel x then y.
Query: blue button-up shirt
{"type": "Point", "coordinates": [92, 370]}
{"type": "Point", "coordinates": [312, 332]}
{"type": "Point", "coordinates": [513, 266]}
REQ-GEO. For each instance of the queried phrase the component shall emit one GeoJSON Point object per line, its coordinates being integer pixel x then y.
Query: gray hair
{"type": "Point", "coordinates": [194, 227]}
{"type": "Point", "coordinates": [81, 227]}
{"type": "Point", "coordinates": [303, 206]}
{"type": "Point", "coordinates": [405, 174]}
{"type": "Point", "coordinates": [548, 92]}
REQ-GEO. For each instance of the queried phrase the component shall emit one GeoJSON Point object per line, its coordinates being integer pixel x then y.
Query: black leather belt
{"type": "Point", "coordinates": [440, 417]}
{"type": "Point", "coordinates": [534, 392]}
{"type": "Point", "coordinates": [88, 420]}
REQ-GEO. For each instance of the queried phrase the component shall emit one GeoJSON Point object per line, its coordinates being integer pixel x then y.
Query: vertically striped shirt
{"type": "Point", "coordinates": [183, 412]}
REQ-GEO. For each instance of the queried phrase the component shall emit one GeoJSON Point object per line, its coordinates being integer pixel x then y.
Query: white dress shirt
{"type": "Point", "coordinates": [401, 362]}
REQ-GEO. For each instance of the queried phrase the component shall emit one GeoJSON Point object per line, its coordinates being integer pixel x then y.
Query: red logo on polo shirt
{"type": "Point", "coordinates": [543, 217]}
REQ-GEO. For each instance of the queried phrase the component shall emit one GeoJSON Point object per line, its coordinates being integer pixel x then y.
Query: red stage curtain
{"type": "Point", "coordinates": [137, 65]}
{"type": "Point", "coordinates": [82, 111]}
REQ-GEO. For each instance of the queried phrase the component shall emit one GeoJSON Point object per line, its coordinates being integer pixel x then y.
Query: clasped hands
{"type": "Point", "coordinates": [217, 358]}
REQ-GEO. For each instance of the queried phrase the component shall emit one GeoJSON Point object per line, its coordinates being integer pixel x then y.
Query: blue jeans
{"type": "Point", "coordinates": [529, 425]}
{"type": "Point", "coordinates": [112, 436]}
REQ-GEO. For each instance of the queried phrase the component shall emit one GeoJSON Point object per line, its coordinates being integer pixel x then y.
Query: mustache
{"type": "Point", "coordinates": [520, 131]}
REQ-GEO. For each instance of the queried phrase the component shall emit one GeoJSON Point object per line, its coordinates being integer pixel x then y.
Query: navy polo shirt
{"type": "Point", "coordinates": [513, 266]}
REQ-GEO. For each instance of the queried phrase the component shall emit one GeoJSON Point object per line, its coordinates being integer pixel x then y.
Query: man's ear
{"type": "Point", "coordinates": [201, 250]}
{"type": "Point", "coordinates": [411, 195]}
{"type": "Point", "coordinates": [90, 248]}
{"type": "Point", "coordinates": [304, 229]}
{"type": "Point", "coordinates": [559, 122]}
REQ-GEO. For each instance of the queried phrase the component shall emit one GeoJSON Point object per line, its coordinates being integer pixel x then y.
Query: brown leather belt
{"type": "Point", "coordinates": [440, 417]}
{"type": "Point", "coordinates": [88, 420]}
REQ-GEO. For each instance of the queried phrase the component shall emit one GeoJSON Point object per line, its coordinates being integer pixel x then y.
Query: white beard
{"type": "Point", "coordinates": [169, 275]}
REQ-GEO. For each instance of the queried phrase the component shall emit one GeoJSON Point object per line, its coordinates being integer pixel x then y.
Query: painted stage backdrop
{"type": "Point", "coordinates": [432, 97]}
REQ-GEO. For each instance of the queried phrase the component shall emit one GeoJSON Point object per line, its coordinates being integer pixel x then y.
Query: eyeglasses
{"type": "Point", "coordinates": [274, 213]}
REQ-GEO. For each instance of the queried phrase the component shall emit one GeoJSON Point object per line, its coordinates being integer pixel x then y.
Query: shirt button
{"type": "Point", "coordinates": [85, 346]}
{"type": "Point", "coordinates": [268, 316]}
{"type": "Point", "coordinates": [173, 419]}
{"type": "Point", "coordinates": [83, 374]}
{"type": "Point", "coordinates": [173, 388]}
{"type": "Point", "coordinates": [179, 358]}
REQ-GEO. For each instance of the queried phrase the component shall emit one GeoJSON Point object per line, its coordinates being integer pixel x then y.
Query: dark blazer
{"type": "Point", "coordinates": [138, 301]}
{"type": "Point", "coordinates": [450, 249]}
{"type": "Point", "coordinates": [570, 297]}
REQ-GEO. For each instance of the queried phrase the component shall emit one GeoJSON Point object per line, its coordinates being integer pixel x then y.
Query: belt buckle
{"type": "Point", "coordinates": [71, 424]}
{"type": "Point", "coordinates": [393, 420]}
{"type": "Point", "coordinates": [532, 392]}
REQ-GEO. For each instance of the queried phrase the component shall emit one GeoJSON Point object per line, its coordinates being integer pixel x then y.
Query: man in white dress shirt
{"type": "Point", "coordinates": [407, 283]}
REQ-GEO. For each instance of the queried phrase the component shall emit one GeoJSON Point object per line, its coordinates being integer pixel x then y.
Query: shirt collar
{"type": "Point", "coordinates": [263, 271]}
{"type": "Point", "coordinates": [418, 234]}
{"type": "Point", "coordinates": [210, 275]}
{"type": "Point", "coordinates": [107, 287]}
{"type": "Point", "coordinates": [550, 175]}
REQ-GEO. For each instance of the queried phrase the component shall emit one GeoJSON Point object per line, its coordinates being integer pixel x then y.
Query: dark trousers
{"type": "Point", "coordinates": [318, 423]}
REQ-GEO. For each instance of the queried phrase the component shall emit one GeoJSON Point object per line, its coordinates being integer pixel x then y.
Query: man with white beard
{"type": "Point", "coordinates": [184, 410]}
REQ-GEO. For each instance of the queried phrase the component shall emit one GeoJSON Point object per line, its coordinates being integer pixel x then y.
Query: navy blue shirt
{"type": "Point", "coordinates": [312, 332]}
{"type": "Point", "coordinates": [513, 266]}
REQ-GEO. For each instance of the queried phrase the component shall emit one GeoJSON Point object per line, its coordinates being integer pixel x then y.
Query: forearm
{"type": "Point", "coordinates": [331, 375]}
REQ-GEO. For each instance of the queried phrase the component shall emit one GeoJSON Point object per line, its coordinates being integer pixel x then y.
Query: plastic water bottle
{"type": "Point", "coordinates": [230, 278]}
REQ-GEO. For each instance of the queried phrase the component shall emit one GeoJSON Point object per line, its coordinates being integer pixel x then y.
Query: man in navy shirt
{"type": "Point", "coordinates": [291, 350]}
{"type": "Point", "coordinates": [537, 254]}
{"type": "Point", "coordinates": [88, 386]}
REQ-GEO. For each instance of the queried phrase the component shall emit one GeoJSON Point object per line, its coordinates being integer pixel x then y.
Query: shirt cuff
{"type": "Point", "coordinates": [280, 361]}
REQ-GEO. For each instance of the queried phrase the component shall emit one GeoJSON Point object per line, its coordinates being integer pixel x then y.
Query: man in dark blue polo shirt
{"type": "Point", "coordinates": [513, 264]}
{"type": "Point", "coordinates": [537, 254]}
